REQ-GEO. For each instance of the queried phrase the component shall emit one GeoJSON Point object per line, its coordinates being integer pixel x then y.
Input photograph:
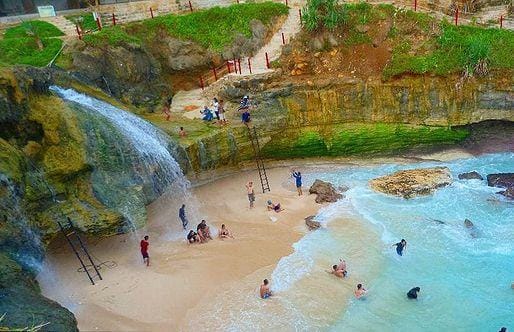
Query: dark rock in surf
{"type": "Point", "coordinates": [311, 223]}
{"type": "Point", "coordinates": [325, 192]}
{"type": "Point", "coordinates": [502, 180]}
{"type": "Point", "coordinates": [470, 176]}
{"type": "Point", "coordinates": [468, 223]}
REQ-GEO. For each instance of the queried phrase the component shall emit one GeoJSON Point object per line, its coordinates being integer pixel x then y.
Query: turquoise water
{"type": "Point", "coordinates": [465, 276]}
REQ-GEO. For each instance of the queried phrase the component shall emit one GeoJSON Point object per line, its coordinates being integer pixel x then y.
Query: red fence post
{"type": "Point", "coordinates": [190, 6]}
{"type": "Point", "coordinates": [98, 23]}
{"type": "Point", "coordinates": [151, 12]}
{"type": "Point", "coordinates": [235, 65]}
{"type": "Point", "coordinates": [415, 5]}
{"type": "Point", "coordinates": [457, 16]}
{"type": "Point", "coordinates": [239, 65]}
{"type": "Point", "coordinates": [300, 14]}
{"type": "Point", "coordinates": [228, 67]}
{"type": "Point", "coordinates": [249, 66]}
{"type": "Point", "coordinates": [501, 21]}
{"type": "Point", "coordinates": [201, 82]}
{"type": "Point", "coordinates": [267, 61]}
{"type": "Point", "coordinates": [238, 2]}
{"type": "Point", "coordinates": [78, 31]}
{"type": "Point", "coordinates": [113, 19]}
{"type": "Point", "coordinates": [215, 75]}
{"type": "Point", "coordinates": [283, 39]}
{"type": "Point", "coordinates": [287, 3]}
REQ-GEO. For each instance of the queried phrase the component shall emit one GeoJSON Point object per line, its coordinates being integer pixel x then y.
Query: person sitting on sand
{"type": "Point", "coordinates": [413, 293]}
{"type": "Point", "coordinates": [193, 237]}
{"type": "Point", "coordinates": [274, 207]}
{"type": "Point", "coordinates": [400, 247]}
{"type": "Point", "coordinates": [225, 233]}
{"type": "Point", "coordinates": [338, 273]}
{"type": "Point", "coordinates": [360, 291]}
{"type": "Point", "coordinates": [204, 231]}
{"type": "Point", "coordinates": [265, 291]}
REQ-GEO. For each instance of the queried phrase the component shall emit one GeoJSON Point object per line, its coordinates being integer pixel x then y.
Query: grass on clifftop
{"type": "Point", "coordinates": [30, 43]}
{"type": "Point", "coordinates": [212, 28]}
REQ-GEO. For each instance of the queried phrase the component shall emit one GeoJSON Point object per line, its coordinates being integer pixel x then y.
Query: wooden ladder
{"type": "Point", "coordinates": [80, 250]}
{"type": "Point", "coordinates": [254, 138]}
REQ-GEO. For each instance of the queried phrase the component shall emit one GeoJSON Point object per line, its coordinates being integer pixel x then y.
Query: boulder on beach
{"type": "Point", "coordinates": [470, 176]}
{"type": "Point", "coordinates": [502, 180]}
{"type": "Point", "coordinates": [311, 223]}
{"type": "Point", "coordinates": [413, 182]}
{"type": "Point", "coordinates": [325, 192]}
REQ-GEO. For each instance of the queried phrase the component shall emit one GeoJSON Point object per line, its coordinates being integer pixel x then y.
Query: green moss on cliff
{"type": "Point", "coordinates": [358, 139]}
{"type": "Point", "coordinates": [10, 161]}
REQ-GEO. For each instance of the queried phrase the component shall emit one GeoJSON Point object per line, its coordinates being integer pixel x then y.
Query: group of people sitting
{"type": "Point", "coordinates": [218, 112]}
{"type": "Point", "coordinates": [203, 233]}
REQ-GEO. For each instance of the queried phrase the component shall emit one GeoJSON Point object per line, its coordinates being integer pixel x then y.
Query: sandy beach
{"type": "Point", "coordinates": [182, 278]}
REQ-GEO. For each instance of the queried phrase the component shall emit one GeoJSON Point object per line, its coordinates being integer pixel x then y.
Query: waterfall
{"type": "Point", "coordinates": [133, 161]}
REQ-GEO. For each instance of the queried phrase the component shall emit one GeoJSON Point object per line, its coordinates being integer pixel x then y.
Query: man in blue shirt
{"type": "Point", "coordinates": [182, 215]}
{"type": "Point", "coordinates": [298, 179]}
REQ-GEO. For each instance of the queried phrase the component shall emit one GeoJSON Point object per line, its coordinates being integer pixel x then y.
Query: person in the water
{"type": "Point", "coordinates": [360, 291]}
{"type": "Point", "coordinates": [265, 292]}
{"type": "Point", "coordinates": [400, 247]}
{"type": "Point", "coordinates": [337, 272]}
{"type": "Point", "coordinates": [413, 293]}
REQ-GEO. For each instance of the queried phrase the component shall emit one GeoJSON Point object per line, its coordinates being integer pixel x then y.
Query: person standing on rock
{"type": "Point", "coordinates": [182, 216]}
{"type": "Point", "coordinates": [298, 179]}
{"type": "Point", "coordinates": [144, 250]}
{"type": "Point", "coordinates": [221, 112]}
{"type": "Point", "coordinates": [215, 107]}
{"type": "Point", "coordinates": [251, 193]}
{"type": "Point", "coordinates": [166, 110]}
{"type": "Point", "coordinates": [400, 247]}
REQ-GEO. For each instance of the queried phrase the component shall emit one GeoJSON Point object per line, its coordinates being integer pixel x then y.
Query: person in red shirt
{"type": "Point", "coordinates": [144, 250]}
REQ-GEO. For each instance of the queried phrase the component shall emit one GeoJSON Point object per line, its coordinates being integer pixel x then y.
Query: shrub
{"type": "Point", "coordinates": [318, 15]}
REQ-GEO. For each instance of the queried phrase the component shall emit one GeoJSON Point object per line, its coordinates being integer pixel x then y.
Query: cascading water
{"type": "Point", "coordinates": [133, 161]}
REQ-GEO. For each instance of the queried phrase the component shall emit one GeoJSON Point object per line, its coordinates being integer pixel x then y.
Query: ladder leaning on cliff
{"type": "Point", "coordinates": [254, 138]}
{"type": "Point", "coordinates": [78, 247]}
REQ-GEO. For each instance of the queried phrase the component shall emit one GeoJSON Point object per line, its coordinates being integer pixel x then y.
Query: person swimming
{"type": "Point", "coordinates": [400, 247]}
{"type": "Point", "coordinates": [360, 291]}
{"type": "Point", "coordinates": [265, 291]}
{"type": "Point", "coordinates": [337, 272]}
{"type": "Point", "coordinates": [342, 266]}
{"type": "Point", "coordinates": [413, 293]}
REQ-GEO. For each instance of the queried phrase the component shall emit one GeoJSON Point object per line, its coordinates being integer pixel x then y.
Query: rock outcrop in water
{"type": "Point", "coordinates": [311, 223]}
{"type": "Point", "coordinates": [412, 183]}
{"type": "Point", "coordinates": [502, 180]}
{"type": "Point", "coordinates": [470, 176]}
{"type": "Point", "coordinates": [325, 192]}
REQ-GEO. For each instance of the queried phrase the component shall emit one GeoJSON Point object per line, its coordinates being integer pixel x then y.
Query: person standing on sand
{"type": "Point", "coordinates": [221, 111]}
{"type": "Point", "coordinates": [298, 179]}
{"type": "Point", "coordinates": [215, 107]}
{"type": "Point", "coordinates": [251, 193]}
{"type": "Point", "coordinates": [360, 291]}
{"type": "Point", "coordinates": [182, 216]}
{"type": "Point", "coordinates": [400, 246]}
{"type": "Point", "coordinates": [265, 292]}
{"type": "Point", "coordinates": [144, 250]}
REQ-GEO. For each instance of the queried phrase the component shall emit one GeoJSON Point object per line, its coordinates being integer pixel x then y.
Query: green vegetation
{"type": "Point", "coordinates": [30, 43]}
{"type": "Point", "coordinates": [457, 48]}
{"type": "Point", "coordinates": [114, 36]}
{"type": "Point", "coordinates": [85, 21]}
{"type": "Point", "coordinates": [323, 14]}
{"type": "Point", "coordinates": [212, 28]}
{"type": "Point", "coordinates": [30, 28]}
{"type": "Point", "coordinates": [359, 139]}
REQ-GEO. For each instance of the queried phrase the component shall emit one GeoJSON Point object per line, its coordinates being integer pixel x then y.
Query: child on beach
{"type": "Point", "coordinates": [251, 193]}
{"type": "Point", "coordinates": [144, 250]}
{"type": "Point", "coordinates": [193, 237]}
{"type": "Point", "coordinates": [265, 291]}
